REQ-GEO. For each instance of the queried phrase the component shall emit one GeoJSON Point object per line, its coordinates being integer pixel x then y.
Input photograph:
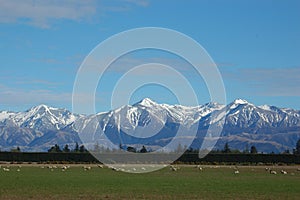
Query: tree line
{"type": "Point", "coordinates": [78, 149]}
{"type": "Point", "coordinates": [97, 148]}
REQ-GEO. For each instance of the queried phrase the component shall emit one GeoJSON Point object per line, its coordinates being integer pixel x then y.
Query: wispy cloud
{"type": "Point", "coordinates": [41, 13]}
{"type": "Point", "coordinates": [14, 96]}
{"type": "Point", "coordinates": [267, 81]}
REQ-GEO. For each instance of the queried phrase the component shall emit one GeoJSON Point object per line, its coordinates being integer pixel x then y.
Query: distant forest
{"type": "Point", "coordinates": [79, 154]}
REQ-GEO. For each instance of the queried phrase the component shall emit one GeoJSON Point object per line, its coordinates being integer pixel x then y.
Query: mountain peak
{"type": "Point", "coordinates": [240, 101]}
{"type": "Point", "coordinates": [39, 107]}
{"type": "Point", "coordinates": [146, 102]}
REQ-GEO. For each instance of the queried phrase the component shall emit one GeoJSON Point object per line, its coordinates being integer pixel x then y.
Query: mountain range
{"type": "Point", "coordinates": [268, 128]}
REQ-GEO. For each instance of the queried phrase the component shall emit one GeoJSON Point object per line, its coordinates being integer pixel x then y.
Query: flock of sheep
{"type": "Point", "coordinates": [172, 168]}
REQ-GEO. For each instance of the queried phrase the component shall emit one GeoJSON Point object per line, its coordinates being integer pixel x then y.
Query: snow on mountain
{"type": "Point", "coordinates": [149, 123]}
{"type": "Point", "coordinates": [40, 117]}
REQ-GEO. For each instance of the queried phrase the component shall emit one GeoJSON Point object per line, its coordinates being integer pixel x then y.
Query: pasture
{"type": "Point", "coordinates": [187, 182]}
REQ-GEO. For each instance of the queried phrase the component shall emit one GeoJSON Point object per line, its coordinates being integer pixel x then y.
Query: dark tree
{"type": "Point", "coordinates": [16, 150]}
{"type": "Point", "coordinates": [226, 148]}
{"type": "Point", "coordinates": [82, 149]}
{"type": "Point", "coordinates": [131, 149]}
{"type": "Point", "coordinates": [253, 149]}
{"type": "Point", "coordinates": [66, 148]}
{"type": "Point", "coordinates": [55, 148]}
{"type": "Point", "coordinates": [143, 150]}
{"type": "Point", "coordinates": [76, 149]}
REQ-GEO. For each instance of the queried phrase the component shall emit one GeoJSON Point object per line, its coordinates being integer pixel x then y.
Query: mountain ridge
{"type": "Point", "coordinates": [268, 127]}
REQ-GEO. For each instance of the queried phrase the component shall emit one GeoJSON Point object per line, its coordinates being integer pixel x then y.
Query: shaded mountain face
{"type": "Point", "coordinates": [154, 125]}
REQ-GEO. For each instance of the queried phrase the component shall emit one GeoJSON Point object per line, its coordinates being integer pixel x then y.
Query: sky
{"type": "Point", "coordinates": [255, 45]}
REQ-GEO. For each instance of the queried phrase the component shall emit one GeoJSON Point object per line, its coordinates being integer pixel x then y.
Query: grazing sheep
{"type": "Point", "coordinates": [199, 167]}
{"type": "Point", "coordinates": [86, 168]}
{"type": "Point", "coordinates": [273, 172]}
{"type": "Point", "coordinates": [173, 168]}
{"type": "Point", "coordinates": [283, 172]}
{"type": "Point", "coordinates": [5, 169]}
{"type": "Point", "coordinates": [64, 167]}
{"type": "Point", "coordinates": [236, 172]}
{"type": "Point", "coordinates": [18, 170]}
{"type": "Point", "coordinates": [267, 169]}
{"type": "Point", "coordinates": [116, 169]}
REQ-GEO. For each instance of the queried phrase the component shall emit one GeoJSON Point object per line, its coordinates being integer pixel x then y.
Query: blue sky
{"type": "Point", "coordinates": [255, 44]}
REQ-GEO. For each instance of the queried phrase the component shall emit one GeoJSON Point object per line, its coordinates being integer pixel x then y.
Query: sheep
{"type": "Point", "coordinates": [273, 172]}
{"type": "Point", "coordinates": [298, 169]}
{"type": "Point", "coordinates": [173, 168]}
{"type": "Point", "coordinates": [199, 167]}
{"type": "Point", "coordinates": [100, 166]}
{"type": "Point", "coordinates": [267, 169]}
{"type": "Point", "coordinates": [236, 172]}
{"type": "Point", "coordinates": [18, 170]}
{"type": "Point", "coordinates": [116, 169]}
{"type": "Point", "coordinates": [86, 168]}
{"type": "Point", "coordinates": [283, 172]}
{"type": "Point", "coordinates": [64, 167]}
{"type": "Point", "coordinates": [6, 169]}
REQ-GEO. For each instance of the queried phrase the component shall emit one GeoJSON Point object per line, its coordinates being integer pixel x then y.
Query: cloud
{"type": "Point", "coordinates": [266, 81]}
{"type": "Point", "coordinates": [13, 96]}
{"type": "Point", "coordinates": [41, 13]}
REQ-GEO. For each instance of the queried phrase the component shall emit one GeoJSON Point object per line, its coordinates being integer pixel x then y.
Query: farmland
{"type": "Point", "coordinates": [188, 182]}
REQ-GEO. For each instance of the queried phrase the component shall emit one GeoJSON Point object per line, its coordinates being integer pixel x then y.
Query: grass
{"type": "Point", "coordinates": [33, 182]}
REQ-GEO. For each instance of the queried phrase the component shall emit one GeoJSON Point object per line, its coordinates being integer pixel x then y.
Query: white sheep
{"type": "Point", "coordinates": [267, 169]}
{"type": "Point", "coordinates": [283, 172]}
{"type": "Point", "coordinates": [199, 167]}
{"type": "Point", "coordinates": [86, 168]}
{"type": "Point", "coordinates": [5, 169]}
{"type": "Point", "coordinates": [273, 172]}
{"type": "Point", "coordinates": [236, 172]}
{"type": "Point", "coordinates": [64, 168]}
{"type": "Point", "coordinates": [173, 168]}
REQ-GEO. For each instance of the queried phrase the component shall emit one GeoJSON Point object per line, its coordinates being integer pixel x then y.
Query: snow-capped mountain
{"type": "Point", "coordinates": [22, 128]}
{"type": "Point", "coordinates": [154, 125]}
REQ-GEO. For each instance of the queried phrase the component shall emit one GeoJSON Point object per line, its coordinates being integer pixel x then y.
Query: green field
{"type": "Point", "coordinates": [34, 182]}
